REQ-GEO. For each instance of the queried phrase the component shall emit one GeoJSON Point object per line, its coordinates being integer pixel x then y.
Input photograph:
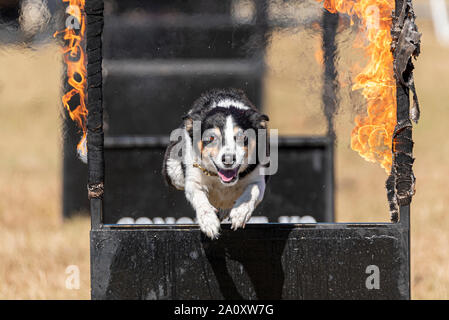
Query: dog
{"type": "Point", "coordinates": [219, 170]}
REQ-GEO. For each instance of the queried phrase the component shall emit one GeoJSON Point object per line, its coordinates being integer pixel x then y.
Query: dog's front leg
{"type": "Point", "coordinates": [245, 205]}
{"type": "Point", "coordinates": [206, 213]}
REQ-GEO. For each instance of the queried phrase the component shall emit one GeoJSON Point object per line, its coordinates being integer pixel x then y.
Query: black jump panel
{"type": "Point", "coordinates": [171, 6]}
{"type": "Point", "coordinates": [181, 38]}
{"type": "Point", "coordinates": [271, 261]}
{"type": "Point", "coordinates": [136, 188]}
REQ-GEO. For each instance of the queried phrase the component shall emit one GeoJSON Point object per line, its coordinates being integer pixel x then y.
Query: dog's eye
{"type": "Point", "coordinates": [209, 139]}
{"type": "Point", "coordinates": [239, 138]}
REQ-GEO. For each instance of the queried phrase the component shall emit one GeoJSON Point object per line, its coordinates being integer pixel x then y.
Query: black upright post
{"type": "Point", "coordinates": [95, 136]}
{"type": "Point", "coordinates": [329, 98]}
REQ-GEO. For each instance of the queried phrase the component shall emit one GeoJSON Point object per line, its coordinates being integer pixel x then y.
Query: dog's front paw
{"type": "Point", "coordinates": [208, 221]}
{"type": "Point", "coordinates": [240, 215]}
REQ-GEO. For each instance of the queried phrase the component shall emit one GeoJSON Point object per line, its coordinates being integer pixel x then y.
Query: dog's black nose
{"type": "Point", "coordinates": [228, 159]}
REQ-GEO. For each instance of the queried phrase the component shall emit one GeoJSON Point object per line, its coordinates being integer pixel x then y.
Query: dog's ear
{"type": "Point", "coordinates": [263, 121]}
{"type": "Point", "coordinates": [188, 122]}
{"type": "Point", "coordinates": [259, 120]}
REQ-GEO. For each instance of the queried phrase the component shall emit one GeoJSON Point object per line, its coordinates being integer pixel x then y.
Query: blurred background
{"type": "Point", "coordinates": [37, 244]}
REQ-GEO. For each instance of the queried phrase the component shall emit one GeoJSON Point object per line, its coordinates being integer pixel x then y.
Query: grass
{"type": "Point", "coordinates": [430, 221]}
{"type": "Point", "coordinates": [37, 246]}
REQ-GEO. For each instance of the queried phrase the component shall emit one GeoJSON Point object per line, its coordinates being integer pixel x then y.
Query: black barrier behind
{"type": "Point", "coordinates": [298, 189]}
{"type": "Point", "coordinates": [268, 261]}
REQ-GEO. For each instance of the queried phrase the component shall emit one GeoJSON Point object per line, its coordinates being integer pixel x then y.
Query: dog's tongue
{"type": "Point", "coordinates": [227, 175]}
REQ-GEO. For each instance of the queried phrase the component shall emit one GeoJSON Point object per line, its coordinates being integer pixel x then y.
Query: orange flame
{"type": "Point", "coordinates": [319, 56]}
{"type": "Point", "coordinates": [372, 134]}
{"type": "Point", "coordinates": [74, 58]}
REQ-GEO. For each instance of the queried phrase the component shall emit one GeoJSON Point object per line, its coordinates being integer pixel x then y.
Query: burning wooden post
{"type": "Point", "coordinates": [95, 141]}
{"type": "Point", "coordinates": [406, 44]}
{"type": "Point", "coordinates": [384, 134]}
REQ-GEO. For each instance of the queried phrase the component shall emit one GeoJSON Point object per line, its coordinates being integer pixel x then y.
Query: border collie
{"type": "Point", "coordinates": [216, 161]}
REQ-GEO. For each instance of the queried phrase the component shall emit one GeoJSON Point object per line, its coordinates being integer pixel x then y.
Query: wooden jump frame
{"type": "Point", "coordinates": [264, 261]}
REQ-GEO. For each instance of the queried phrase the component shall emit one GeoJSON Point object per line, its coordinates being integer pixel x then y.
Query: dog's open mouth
{"type": "Point", "coordinates": [228, 175]}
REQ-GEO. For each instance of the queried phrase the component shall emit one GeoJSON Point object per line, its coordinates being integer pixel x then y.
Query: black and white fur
{"type": "Point", "coordinates": [224, 184]}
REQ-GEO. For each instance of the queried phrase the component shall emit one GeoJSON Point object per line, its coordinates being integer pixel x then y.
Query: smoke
{"type": "Point", "coordinates": [34, 16]}
{"type": "Point", "coordinates": [82, 150]}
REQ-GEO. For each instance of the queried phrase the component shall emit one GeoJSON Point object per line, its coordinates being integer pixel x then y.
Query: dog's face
{"type": "Point", "coordinates": [228, 143]}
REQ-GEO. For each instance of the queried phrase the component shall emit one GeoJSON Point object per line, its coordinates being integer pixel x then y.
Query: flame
{"type": "Point", "coordinates": [373, 131]}
{"type": "Point", "coordinates": [75, 61]}
{"type": "Point", "coordinates": [319, 56]}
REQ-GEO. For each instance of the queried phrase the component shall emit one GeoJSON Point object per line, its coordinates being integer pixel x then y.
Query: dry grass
{"type": "Point", "coordinates": [430, 221]}
{"type": "Point", "coordinates": [36, 246]}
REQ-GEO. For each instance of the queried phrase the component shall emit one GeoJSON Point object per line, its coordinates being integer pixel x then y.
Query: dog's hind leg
{"type": "Point", "coordinates": [172, 167]}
